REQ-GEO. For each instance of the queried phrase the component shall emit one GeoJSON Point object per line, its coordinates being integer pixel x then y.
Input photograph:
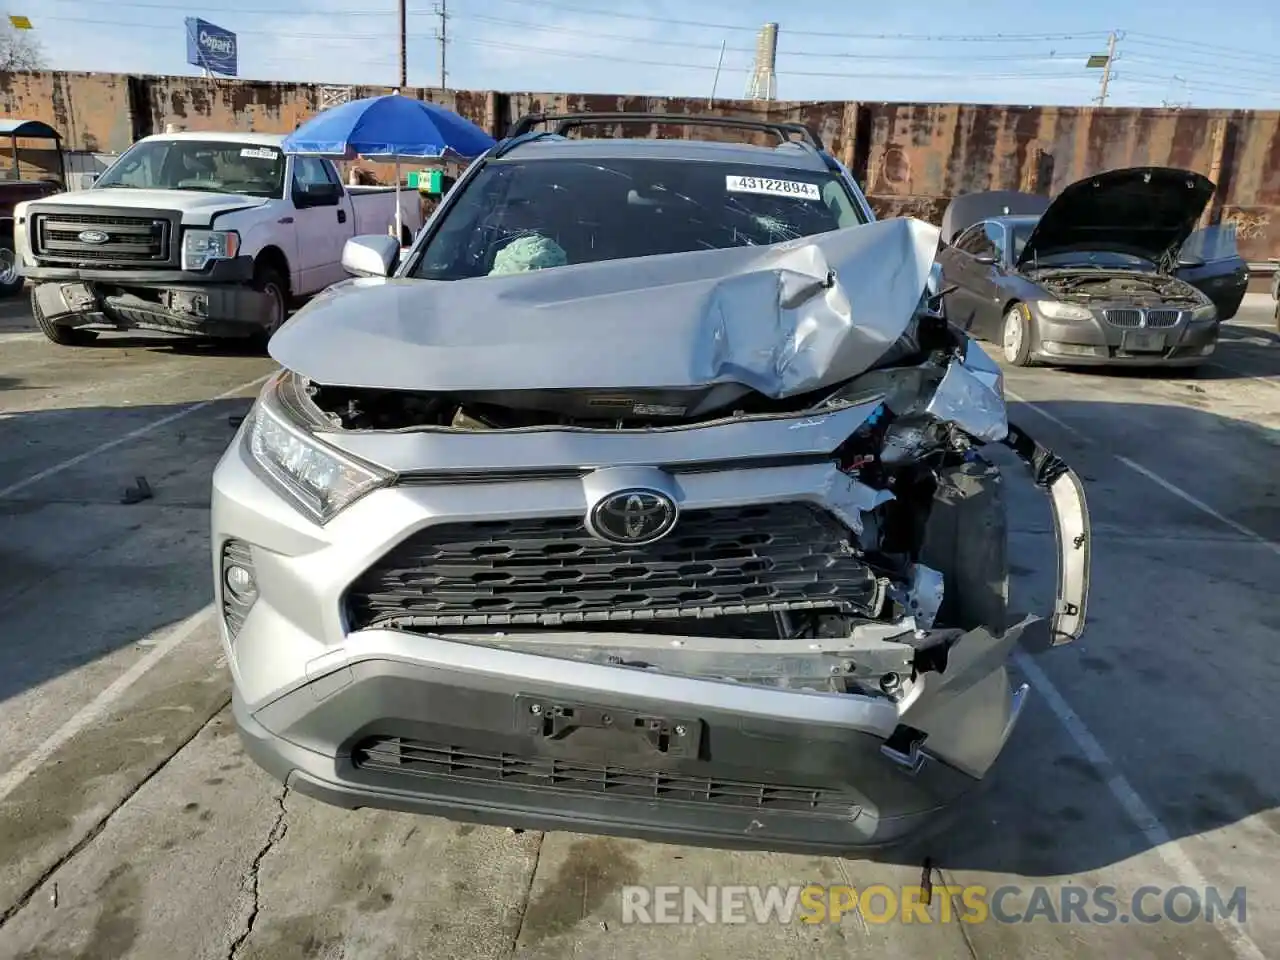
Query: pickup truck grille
{"type": "Point", "coordinates": [551, 571]}
{"type": "Point", "coordinates": [60, 237]}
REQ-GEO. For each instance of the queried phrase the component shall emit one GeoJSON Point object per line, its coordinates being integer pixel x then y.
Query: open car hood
{"type": "Point", "coordinates": [1143, 211]}
{"type": "Point", "coordinates": [781, 319]}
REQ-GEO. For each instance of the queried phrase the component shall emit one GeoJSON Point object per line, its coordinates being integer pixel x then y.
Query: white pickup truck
{"type": "Point", "coordinates": [211, 234]}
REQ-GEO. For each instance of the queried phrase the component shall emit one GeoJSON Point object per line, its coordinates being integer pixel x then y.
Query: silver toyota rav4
{"type": "Point", "coordinates": [647, 496]}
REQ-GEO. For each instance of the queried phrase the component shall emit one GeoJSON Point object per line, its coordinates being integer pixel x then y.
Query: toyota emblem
{"type": "Point", "coordinates": [633, 517]}
{"type": "Point", "coordinates": [92, 236]}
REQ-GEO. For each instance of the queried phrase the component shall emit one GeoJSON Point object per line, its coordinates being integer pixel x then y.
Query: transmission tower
{"type": "Point", "coordinates": [763, 84]}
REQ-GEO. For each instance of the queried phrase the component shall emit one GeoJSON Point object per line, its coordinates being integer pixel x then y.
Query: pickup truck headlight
{"type": "Point", "coordinates": [319, 480]}
{"type": "Point", "coordinates": [1057, 310]}
{"type": "Point", "coordinates": [1207, 312]}
{"type": "Point", "coordinates": [201, 247]}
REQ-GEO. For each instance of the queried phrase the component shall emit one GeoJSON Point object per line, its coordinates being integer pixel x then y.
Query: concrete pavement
{"type": "Point", "coordinates": [131, 825]}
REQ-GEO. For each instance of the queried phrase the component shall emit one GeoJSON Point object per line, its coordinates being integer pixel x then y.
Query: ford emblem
{"type": "Point", "coordinates": [92, 236]}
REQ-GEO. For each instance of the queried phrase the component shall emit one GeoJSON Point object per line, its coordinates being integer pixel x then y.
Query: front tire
{"type": "Point", "coordinates": [1015, 336]}
{"type": "Point", "coordinates": [11, 281]}
{"type": "Point", "coordinates": [268, 280]}
{"type": "Point", "coordinates": [62, 336]}
{"type": "Point", "coordinates": [966, 540]}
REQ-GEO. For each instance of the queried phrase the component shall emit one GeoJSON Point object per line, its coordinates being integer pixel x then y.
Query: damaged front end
{"type": "Point", "coordinates": [801, 541]}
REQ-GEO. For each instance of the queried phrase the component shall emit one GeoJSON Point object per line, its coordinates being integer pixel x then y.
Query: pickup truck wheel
{"type": "Point", "coordinates": [11, 281]}
{"type": "Point", "coordinates": [63, 336]}
{"type": "Point", "coordinates": [268, 280]}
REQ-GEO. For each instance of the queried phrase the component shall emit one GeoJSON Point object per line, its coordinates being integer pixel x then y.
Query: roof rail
{"type": "Point", "coordinates": [786, 132]}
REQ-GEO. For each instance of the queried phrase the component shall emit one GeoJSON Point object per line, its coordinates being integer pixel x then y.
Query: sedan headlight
{"type": "Point", "coordinates": [1057, 310]}
{"type": "Point", "coordinates": [319, 480]}
{"type": "Point", "coordinates": [1207, 312]}
{"type": "Point", "coordinates": [201, 247]}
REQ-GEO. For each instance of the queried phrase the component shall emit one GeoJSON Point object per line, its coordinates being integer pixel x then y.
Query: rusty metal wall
{"type": "Point", "coordinates": [912, 158]}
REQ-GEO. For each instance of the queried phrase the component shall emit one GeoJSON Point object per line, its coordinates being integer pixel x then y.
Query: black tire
{"type": "Point", "coordinates": [11, 282]}
{"type": "Point", "coordinates": [1277, 316]}
{"type": "Point", "coordinates": [1017, 352]}
{"type": "Point", "coordinates": [62, 336]}
{"type": "Point", "coordinates": [966, 539]}
{"type": "Point", "coordinates": [267, 279]}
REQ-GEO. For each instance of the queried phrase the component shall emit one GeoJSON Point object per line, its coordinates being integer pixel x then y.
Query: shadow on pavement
{"type": "Point", "coordinates": [83, 572]}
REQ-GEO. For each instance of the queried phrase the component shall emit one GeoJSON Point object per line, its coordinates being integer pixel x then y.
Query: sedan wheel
{"type": "Point", "coordinates": [1015, 337]}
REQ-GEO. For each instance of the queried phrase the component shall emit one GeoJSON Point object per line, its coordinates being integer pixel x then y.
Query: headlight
{"type": "Point", "coordinates": [1207, 312]}
{"type": "Point", "coordinates": [1056, 310]}
{"type": "Point", "coordinates": [201, 247]}
{"type": "Point", "coordinates": [319, 480]}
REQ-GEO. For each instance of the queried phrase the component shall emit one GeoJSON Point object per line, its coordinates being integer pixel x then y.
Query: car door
{"type": "Point", "coordinates": [322, 221]}
{"type": "Point", "coordinates": [963, 269]}
{"type": "Point", "coordinates": [988, 272]}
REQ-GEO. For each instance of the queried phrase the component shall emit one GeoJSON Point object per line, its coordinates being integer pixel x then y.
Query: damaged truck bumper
{"type": "Point", "coordinates": [218, 302]}
{"type": "Point", "coordinates": [828, 743]}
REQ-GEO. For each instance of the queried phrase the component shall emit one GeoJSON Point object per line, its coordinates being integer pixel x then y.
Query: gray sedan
{"type": "Point", "coordinates": [1090, 279]}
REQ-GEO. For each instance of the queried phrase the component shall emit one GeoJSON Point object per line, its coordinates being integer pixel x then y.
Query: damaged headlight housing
{"type": "Point", "coordinates": [1057, 310]}
{"type": "Point", "coordinates": [1204, 314]}
{"type": "Point", "coordinates": [319, 480]}
{"type": "Point", "coordinates": [202, 247]}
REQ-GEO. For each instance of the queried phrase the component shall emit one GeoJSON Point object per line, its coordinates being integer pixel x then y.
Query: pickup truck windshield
{"type": "Point", "coordinates": [519, 215]}
{"type": "Point", "coordinates": [210, 166]}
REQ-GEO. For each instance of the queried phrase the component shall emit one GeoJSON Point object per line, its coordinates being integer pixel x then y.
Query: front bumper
{"type": "Point", "coordinates": [445, 724]}
{"type": "Point", "coordinates": [218, 302]}
{"type": "Point", "coordinates": [1097, 342]}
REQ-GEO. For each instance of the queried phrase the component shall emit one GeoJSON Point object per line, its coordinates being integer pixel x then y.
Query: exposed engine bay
{"type": "Point", "coordinates": [1132, 288]}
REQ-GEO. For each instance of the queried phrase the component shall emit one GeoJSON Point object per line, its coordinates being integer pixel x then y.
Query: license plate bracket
{"type": "Point", "coordinates": [79, 297]}
{"type": "Point", "coordinates": [1143, 341]}
{"type": "Point", "coordinates": [553, 719]}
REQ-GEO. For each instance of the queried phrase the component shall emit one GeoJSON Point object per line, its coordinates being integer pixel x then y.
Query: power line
{"type": "Point", "coordinates": [878, 75]}
{"type": "Point", "coordinates": [710, 47]}
{"type": "Point", "coordinates": [1174, 43]}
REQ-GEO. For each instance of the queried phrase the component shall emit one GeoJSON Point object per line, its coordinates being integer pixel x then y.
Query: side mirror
{"type": "Point", "coordinates": [374, 255]}
{"type": "Point", "coordinates": [316, 194]}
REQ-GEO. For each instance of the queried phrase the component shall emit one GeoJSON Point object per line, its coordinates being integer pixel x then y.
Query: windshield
{"type": "Point", "coordinates": [202, 165]}
{"type": "Point", "coordinates": [517, 216]}
{"type": "Point", "coordinates": [1103, 259]}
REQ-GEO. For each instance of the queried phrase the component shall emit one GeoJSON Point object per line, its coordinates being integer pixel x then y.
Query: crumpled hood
{"type": "Point", "coordinates": [781, 319]}
{"type": "Point", "coordinates": [1143, 211]}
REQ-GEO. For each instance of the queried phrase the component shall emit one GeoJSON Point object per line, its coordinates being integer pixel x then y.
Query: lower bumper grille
{"type": "Point", "coordinates": [415, 758]}
{"type": "Point", "coordinates": [551, 571]}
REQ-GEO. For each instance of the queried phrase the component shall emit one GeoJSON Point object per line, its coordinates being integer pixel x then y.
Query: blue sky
{"type": "Point", "coordinates": [1008, 51]}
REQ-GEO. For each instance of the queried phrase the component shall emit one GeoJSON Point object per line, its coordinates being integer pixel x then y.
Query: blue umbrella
{"type": "Point", "coordinates": [394, 127]}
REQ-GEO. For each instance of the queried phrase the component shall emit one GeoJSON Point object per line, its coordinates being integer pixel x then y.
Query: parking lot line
{"type": "Point", "coordinates": [1160, 481]}
{"type": "Point", "coordinates": [1136, 809]}
{"type": "Point", "coordinates": [98, 706]}
{"type": "Point", "coordinates": [125, 438]}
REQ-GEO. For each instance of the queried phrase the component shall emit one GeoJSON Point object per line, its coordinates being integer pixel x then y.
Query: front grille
{"type": "Point", "coordinates": [1124, 318]}
{"type": "Point", "coordinates": [1132, 318]}
{"type": "Point", "coordinates": [551, 571]}
{"type": "Point", "coordinates": [56, 236]}
{"type": "Point", "coordinates": [406, 757]}
{"type": "Point", "coordinates": [1163, 318]}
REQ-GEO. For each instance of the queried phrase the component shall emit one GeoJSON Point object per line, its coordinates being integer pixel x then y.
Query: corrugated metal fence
{"type": "Point", "coordinates": [911, 158]}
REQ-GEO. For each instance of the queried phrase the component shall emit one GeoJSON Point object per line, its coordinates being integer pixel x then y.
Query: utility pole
{"type": "Point", "coordinates": [404, 55]}
{"type": "Point", "coordinates": [1106, 71]}
{"type": "Point", "coordinates": [443, 12]}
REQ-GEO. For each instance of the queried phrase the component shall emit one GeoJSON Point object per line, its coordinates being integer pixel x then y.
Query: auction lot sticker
{"type": "Point", "coordinates": [772, 188]}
